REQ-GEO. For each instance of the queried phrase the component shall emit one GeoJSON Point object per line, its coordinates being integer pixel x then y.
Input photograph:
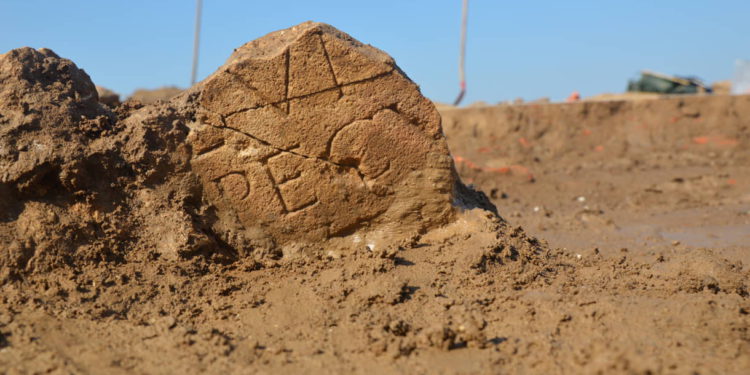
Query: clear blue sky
{"type": "Point", "coordinates": [527, 49]}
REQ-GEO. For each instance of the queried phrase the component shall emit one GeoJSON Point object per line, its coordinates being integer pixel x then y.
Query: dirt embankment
{"type": "Point", "coordinates": [151, 96]}
{"type": "Point", "coordinates": [298, 211]}
{"type": "Point", "coordinates": [708, 130]}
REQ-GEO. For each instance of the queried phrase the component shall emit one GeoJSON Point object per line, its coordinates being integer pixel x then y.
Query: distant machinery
{"type": "Point", "coordinates": [666, 84]}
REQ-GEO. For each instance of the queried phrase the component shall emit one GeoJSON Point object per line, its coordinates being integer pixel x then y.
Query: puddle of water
{"type": "Point", "coordinates": [710, 236]}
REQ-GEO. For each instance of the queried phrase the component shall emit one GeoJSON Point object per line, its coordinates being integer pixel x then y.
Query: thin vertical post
{"type": "Point", "coordinates": [462, 55]}
{"type": "Point", "coordinates": [196, 40]}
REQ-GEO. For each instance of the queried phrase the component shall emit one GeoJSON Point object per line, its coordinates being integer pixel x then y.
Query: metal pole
{"type": "Point", "coordinates": [462, 55]}
{"type": "Point", "coordinates": [196, 40]}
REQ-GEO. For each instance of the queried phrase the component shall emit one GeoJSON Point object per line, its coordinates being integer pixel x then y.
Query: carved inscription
{"type": "Point", "coordinates": [312, 137]}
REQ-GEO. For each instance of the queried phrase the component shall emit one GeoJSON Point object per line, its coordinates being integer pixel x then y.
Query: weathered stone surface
{"type": "Point", "coordinates": [307, 134]}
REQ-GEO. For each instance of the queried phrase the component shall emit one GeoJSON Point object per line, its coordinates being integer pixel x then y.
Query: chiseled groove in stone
{"type": "Point", "coordinates": [210, 150]}
{"type": "Point", "coordinates": [329, 145]}
{"type": "Point", "coordinates": [217, 181]}
{"type": "Point", "coordinates": [260, 95]}
{"type": "Point", "coordinates": [266, 143]}
{"type": "Point", "coordinates": [304, 206]}
{"type": "Point", "coordinates": [387, 168]}
{"type": "Point", "coordinates": [290, 179]}
{"type": "Point", "coordinates": [287, 55]}
{"type": "Point", "coordinates": [373, 78]}
{"type": "Point", "coordinates": [268, 173]}
{"type": "Point", "coordinates": [330, 65]}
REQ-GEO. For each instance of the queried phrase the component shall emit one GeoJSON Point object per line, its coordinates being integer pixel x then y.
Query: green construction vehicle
{"type": "Point", "coordinates": [666, 84]}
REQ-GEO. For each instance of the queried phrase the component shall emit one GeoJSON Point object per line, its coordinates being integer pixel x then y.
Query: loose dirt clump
{"type": "Point", "coordinates": [78, 184]}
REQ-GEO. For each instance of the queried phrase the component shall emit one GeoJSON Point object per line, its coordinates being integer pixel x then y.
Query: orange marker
{"type": "Point", "coordinates": [700, 140]}
{"type": "Point", "coordinates": [574, 97]}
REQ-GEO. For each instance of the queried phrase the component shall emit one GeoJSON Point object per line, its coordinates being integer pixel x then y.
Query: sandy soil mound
{"type": "Point", "coordinates": [151, 96]}
{"type": "Point", "coordinates": [655, 192]}
{"type": "Point", "coordinates": [79, 183]}
{"type": "Point", "coordinates": [623, 134]}
{"type": "Point", "coordinates": [107, 96]}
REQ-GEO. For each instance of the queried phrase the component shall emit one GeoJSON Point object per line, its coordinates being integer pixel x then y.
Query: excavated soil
{"type": "Point", "coordinates": [151, 96]}
{"type": "Point", "coordinates": [622, 247]}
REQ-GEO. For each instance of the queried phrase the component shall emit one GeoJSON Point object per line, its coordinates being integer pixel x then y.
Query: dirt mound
{"type": "Point", "coordinates": [184, 233]}
{"type": "Point", "coordinates": [80, 184]}
{"type": "Point", "coordinates": [461, 299]}
{"type": "Point", "coordinates": [151, 96]}
{"type": "Point", "coordinates": [329, 132]}
{"type": "Point", "coordinates": [107, 96]}
{"type": "Point", "coordinates": [651, 197]}
{"type": "Point", "coordinates": [49, 117]}
{"type": "Point", "coordinates": [694, 130]}
{"type": "Point", "coordinates": [635, 95]}
{"type": "Point", "coordinates": [722, 87]}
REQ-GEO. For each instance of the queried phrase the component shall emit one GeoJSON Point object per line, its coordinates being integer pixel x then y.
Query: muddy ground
{"type": "Point", "coordinates": [633, 258]}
